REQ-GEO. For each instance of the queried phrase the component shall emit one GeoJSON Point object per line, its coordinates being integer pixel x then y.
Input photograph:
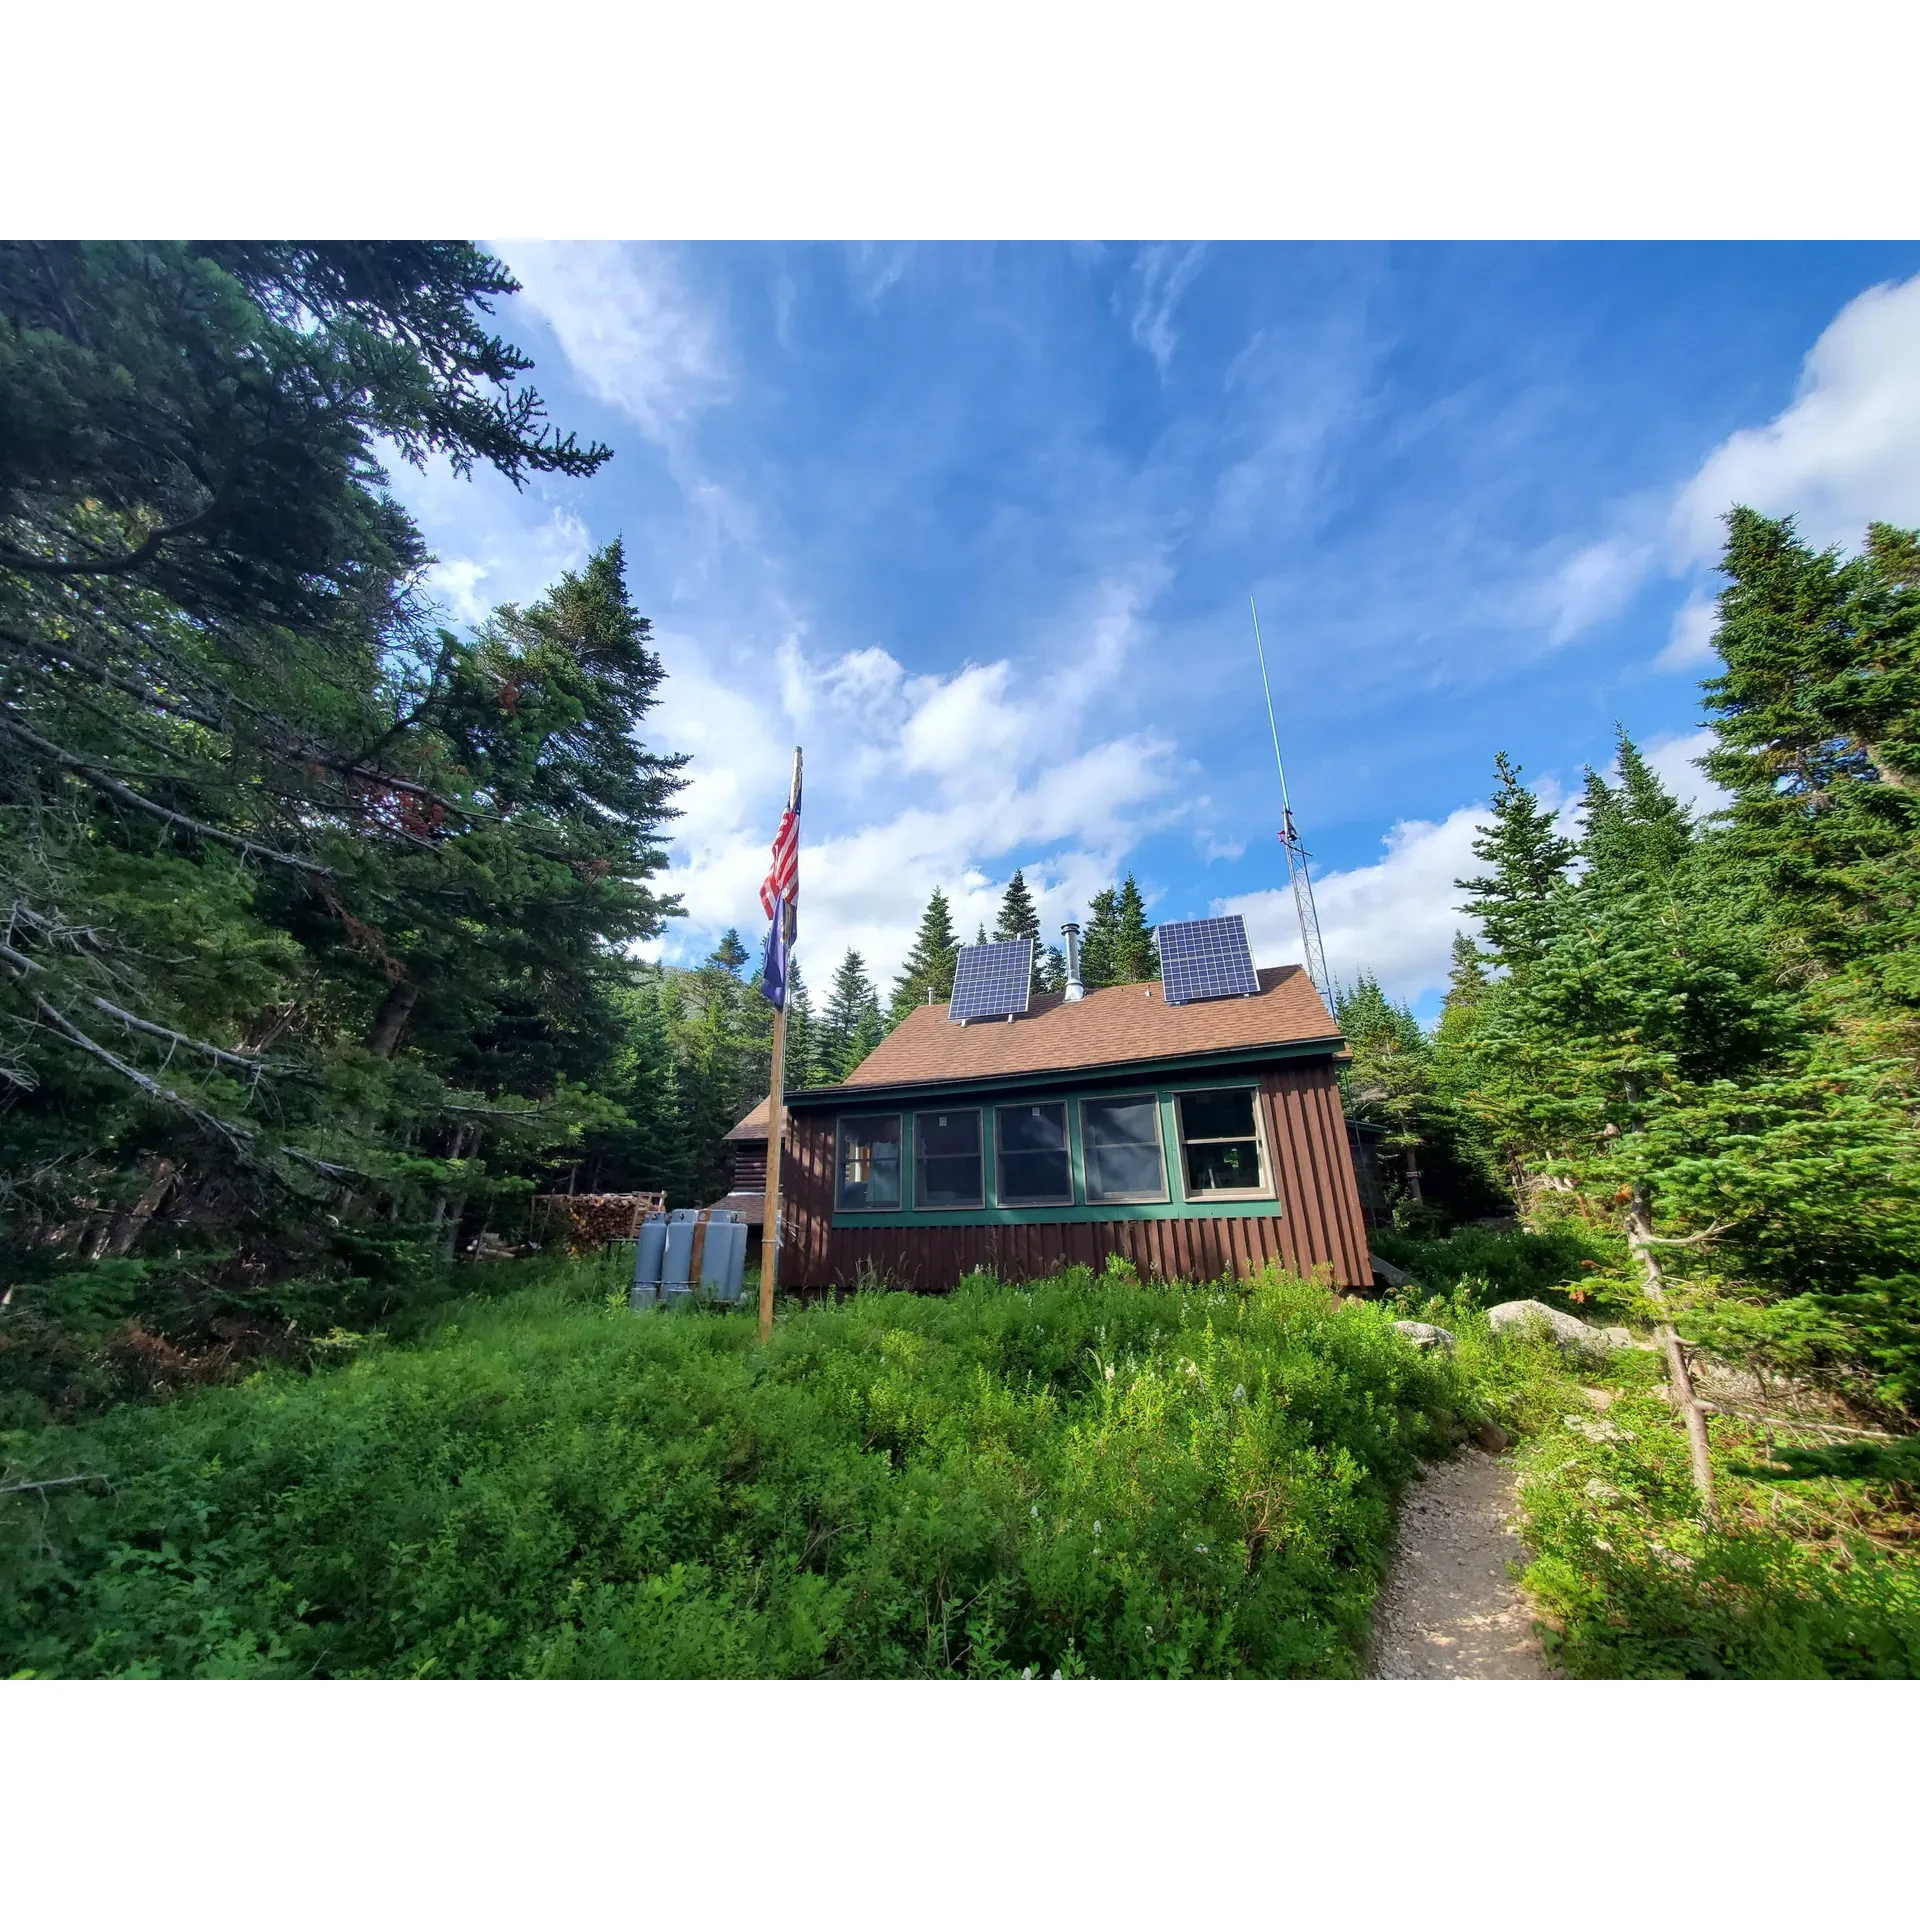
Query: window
{"type": "Point", "coordinates": [1220, 1143]}
{"type": "Point", "coordinates": [869, 1163]}
{"type": "Point", "coordinates": [1122, 1140]}
{"type": "Point", "coordinates": [946, 1159]}
{"type": "Point", "coordinates": [1032, 1167]}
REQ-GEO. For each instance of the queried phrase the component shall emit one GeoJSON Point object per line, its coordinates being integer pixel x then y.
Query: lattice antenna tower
{"type": "Point", "coordinates": [1298, 871]}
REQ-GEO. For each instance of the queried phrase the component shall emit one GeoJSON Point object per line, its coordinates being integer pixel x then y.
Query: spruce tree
{"type": "Point", "coordinates": [1099, 940]}
{"type": "Point", "coordinates": [1136, 956]}
{"type": "Point", "coordinates": [1019, 921]}
{"type": "Point", "coordinates": [1513, 902]}
{"type": "Point", "coordinates": [849, 1026]}
{"type": "Point", "coordinates": [1051, 971]}
{"type": "Point", "coordinates": [929, 969]}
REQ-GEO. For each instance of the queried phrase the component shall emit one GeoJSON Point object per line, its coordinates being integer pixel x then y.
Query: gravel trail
{"type": "Point", "coordinates": [1449, 1610]}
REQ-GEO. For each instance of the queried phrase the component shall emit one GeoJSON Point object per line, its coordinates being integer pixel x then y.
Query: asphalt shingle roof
{"type": "Point", "coordinates": [1111, 1026]}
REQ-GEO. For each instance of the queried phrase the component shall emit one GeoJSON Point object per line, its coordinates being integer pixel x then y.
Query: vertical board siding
{"type": "Point", "coordinates": [1319, 1227]}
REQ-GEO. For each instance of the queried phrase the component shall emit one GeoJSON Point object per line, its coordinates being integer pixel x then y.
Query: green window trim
{"type": "Point", "coordinates": [1177, 1203]}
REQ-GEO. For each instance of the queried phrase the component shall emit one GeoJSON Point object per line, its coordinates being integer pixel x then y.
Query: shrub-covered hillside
{"type": "Point", "coordinates": [1084, 1476]}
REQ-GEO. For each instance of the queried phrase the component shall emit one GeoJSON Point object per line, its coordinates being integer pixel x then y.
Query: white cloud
{"type": "Point", "coordinates": [1845, 452]}
{"type": "Point", "coordinates": [1690, 640]}
{"type": "Point", "coordinates": [1395, 919]}
{"type": "Point", "coordinates": [1672, 757]}
{"type": "Point", "coordinates": [629, 325]}
{"type": "Point", "coordinates": [1593, 585]}
{"type": "Point", "coordinates": [493, 543]}
{"type": "Point", "coordinates": [1165, 272]}
{"type": "Point", "coordinates": [952, 779]}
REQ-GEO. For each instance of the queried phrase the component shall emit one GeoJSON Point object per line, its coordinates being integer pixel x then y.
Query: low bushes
{"type": "Point", "coordinates": [1084, 1475]}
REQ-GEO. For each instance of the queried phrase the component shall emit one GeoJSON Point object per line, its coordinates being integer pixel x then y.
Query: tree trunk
{"type": "Point", "coordinates": [1640, 1243]}
{"type": "Point", "coordinates": [391, 1021]}
{"type": "Point", "coordinates": [128, 1230]}
{"type": "Point", "coordinates": [1413, 1176]}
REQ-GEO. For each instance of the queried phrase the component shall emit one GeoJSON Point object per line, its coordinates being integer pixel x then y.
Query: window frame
{"type": "Point", "coordinates": [1268, 1189]}
{"type": "Point", "coordinates": [1066, 1148]}
{"type": "Point", "coordinates": [841, 1204]}
{"type": "Point", "coordinates": [1152, 1101]}
{"type": "Point", "coordinates": [919, 1160]}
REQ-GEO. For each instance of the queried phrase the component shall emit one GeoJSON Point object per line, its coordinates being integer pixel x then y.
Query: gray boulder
{"type": "Point", "coordinates": [1566, 1331]}
{"type": "Point", "coordinates": [1424, 1335]}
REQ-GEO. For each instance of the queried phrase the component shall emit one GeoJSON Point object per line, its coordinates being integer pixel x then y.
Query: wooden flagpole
{"type": "Point", "coordinates": [776, 1125]}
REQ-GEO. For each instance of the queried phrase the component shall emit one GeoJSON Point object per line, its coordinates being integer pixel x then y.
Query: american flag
{"type": "Point", "coordinates": [780, 900]}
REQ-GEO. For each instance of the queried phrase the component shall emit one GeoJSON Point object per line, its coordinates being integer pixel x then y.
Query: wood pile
{"type": "Point", "coordinates": [591, 1220]}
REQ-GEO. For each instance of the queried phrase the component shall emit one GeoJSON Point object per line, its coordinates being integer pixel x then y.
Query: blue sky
{"type": "Point", "coordinates": [977, 527]}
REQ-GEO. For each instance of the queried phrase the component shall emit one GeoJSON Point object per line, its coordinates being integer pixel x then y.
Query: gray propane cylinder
{"type": "Point", "coordinates": [648, 1257]}
{"type": "Point", "coordinates": [737, 1266]}
{"type": "Point", "coordinates": [676, 1280]}
{"type": "Point", "coordinates": [716, 1257]}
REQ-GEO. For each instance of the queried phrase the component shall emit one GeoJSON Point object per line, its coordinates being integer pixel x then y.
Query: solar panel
{"type": "Point", "coordinates": [991, 982]}
{"type": "Point", "coordinates": [1205, 960]}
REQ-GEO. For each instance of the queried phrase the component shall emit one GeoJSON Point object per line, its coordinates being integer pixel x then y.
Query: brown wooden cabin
{"type": "Point", "coordinates": [1193, 1140]}
{"type": "Point", "coordinates": [749, 1195]}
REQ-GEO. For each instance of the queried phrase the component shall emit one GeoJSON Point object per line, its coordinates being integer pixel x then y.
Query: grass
{"type": "Point", "coordinates": [1085, 1475]}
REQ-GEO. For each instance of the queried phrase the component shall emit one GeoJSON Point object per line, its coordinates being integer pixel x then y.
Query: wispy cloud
{"type": "Point", "coordinates": [1164, 273]}
{"type": "Point", "coordinates": [631, 327]}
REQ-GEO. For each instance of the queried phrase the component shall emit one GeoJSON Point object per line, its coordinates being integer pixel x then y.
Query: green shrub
{"type": "Point", "coordinates": [1558, 1263]}
{"type": "Point", "coordinates": [1083, 1475]}
{"type": "Point", "coordinates": [1807, 1580]}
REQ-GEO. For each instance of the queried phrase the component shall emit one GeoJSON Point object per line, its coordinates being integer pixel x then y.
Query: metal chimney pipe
{"type": "Point", "coordinates": [1075, 991]}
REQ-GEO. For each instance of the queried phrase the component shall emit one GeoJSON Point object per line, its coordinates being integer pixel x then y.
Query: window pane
{"type": "Point", "coordinates": [870, 1162]}
{"type": "Point", "coordinates": [1219, 1165]}
{"type": "Point", "coordinates": [1034, 1167]}
{"type": "Point", "coordinates": [1123, 1149]}
{"type": "Point", "coordinates": [1124, 1173]}
{"type": "Point", "coordinates": [1225, 1115]}
{"type": "Point", "coordinates": [946, 1149]}
{"type": "Point", "coordinates": [1034, 1129]}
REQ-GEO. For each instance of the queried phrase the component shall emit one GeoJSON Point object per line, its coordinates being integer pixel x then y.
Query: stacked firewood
{"type": "Point", "coordinates": [589, 1220]}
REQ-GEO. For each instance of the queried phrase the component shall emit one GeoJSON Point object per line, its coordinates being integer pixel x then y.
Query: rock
{"type": "Point", "coordinates": [1603, 1493]}
{"type": "Point", "coordinates": [1565, 1330]}
{"type": "Point", "coordinates": [1424, 1335]}
{"type": "Point", "coordinates": [1591, 1429]}
{"type": "Point", "coordinates": [1598, 1398]}
{"type": "Point", "coordinates": [1491, 1437]}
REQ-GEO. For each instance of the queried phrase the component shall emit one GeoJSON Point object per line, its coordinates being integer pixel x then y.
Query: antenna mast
{"type": "Point", "coordinates": [1297, 869]}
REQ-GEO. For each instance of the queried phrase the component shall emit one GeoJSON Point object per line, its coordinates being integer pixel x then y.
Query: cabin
{"type": "Point", "coordinates": [748, 1197]}
{"type": "Point", "coordinates": [1194, 1139]}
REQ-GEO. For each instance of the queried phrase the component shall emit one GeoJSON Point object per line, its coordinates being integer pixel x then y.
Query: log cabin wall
{"type": "Point", "coordinates": [1318, 1227]}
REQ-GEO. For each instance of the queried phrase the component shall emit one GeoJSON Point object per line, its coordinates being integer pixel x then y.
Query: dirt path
{"type": "Point", "coordinates": [1448, 1610]}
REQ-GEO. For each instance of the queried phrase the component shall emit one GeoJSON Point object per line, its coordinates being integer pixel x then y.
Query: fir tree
{"type": "Point", "coordinates": [1051, 970]}
{"type": "Point", "coordinates": [1513, 902]}
{"type": "Point", "coordinates": [928, 973]}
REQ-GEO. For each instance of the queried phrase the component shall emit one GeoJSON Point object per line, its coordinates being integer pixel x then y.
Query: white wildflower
{"type": "Point", "coordinates": [1096, 1526]}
